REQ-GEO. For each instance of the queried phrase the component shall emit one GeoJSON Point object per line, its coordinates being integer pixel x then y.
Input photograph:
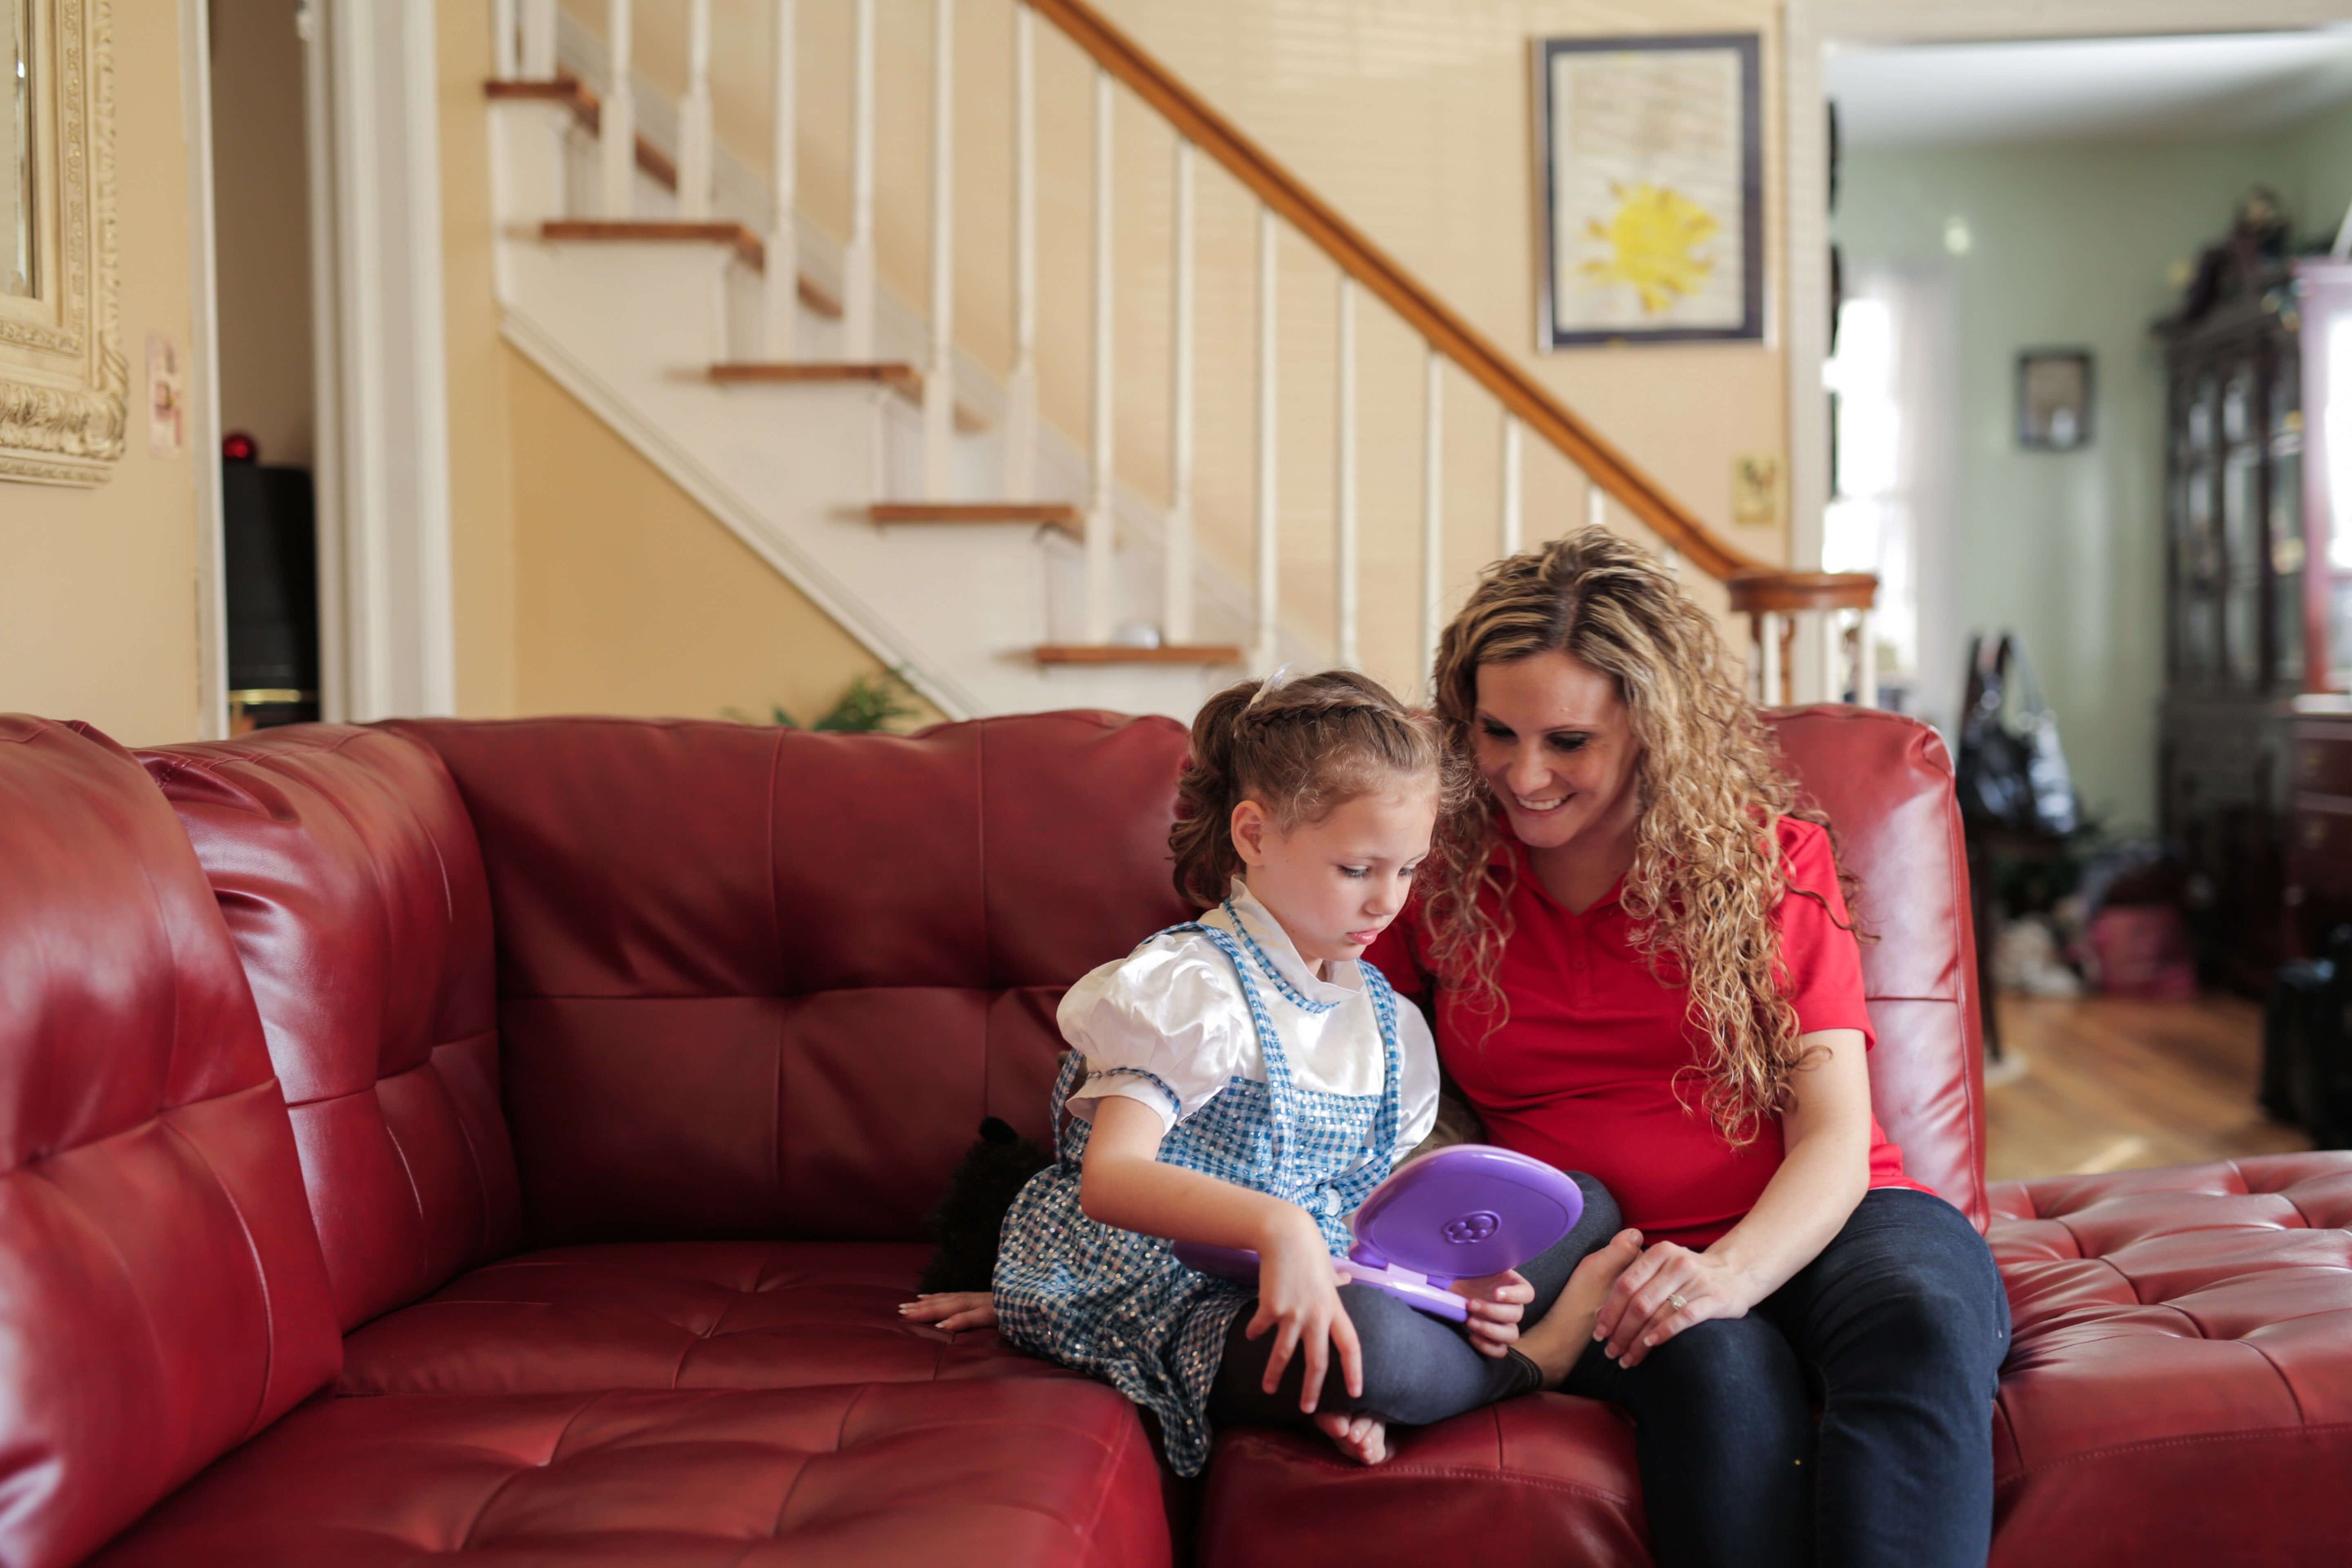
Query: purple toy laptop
{"type": "Point", "coordinates": [1456, 1213]}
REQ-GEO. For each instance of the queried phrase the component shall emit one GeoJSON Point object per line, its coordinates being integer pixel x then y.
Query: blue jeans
{"type": "Point", "coordinates": [1898, 1330]}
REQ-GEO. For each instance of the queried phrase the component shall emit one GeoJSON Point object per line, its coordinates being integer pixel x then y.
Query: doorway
{"type": "Point", "coordinates": [265, 353]}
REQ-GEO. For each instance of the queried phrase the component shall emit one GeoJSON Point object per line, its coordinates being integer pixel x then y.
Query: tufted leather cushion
{"type": "Point", "coordinates": [350, 878]}
{"type": "Point", "coordinates": [1031, 1471]}
{"type": "Point", "coordinates": [161, 1292]}
{"type": "Point", "coordinates": [680, 1314]}
{"type": "Point", "coordinates": [2180, 1377]}
{"type": "Point", "coordinates": [757, 981]}
{"type": "Point", "coordinates": [1541, 1479]}
{"type": "Point", "coordinates": [1886, 783]}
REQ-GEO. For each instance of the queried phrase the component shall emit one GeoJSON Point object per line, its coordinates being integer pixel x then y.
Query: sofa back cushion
{"type": "Point", "coordinates": [755, 980]}
{"type": "Point", "coordinates": [161, 1292]}
{"type": "Point", "coordinates": [348, 872]}
{"type": "Point", "coordinates": [1886, 783]}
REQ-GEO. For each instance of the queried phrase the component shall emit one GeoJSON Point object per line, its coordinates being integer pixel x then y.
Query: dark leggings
{"type": "Point", "coordinates": [1897, 1330]}
{"type": "Point", "coordinates": [1417, 1369]}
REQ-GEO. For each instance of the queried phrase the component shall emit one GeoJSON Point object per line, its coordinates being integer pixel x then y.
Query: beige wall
{"type": "Point", "coordinates": [98, 586]}
{"type": "Point", "coordinates": [1411, 116]}
{"type": "Point", "coordinates": [261, 226]}
{"type": "Point", "coordinates": [633, 599]}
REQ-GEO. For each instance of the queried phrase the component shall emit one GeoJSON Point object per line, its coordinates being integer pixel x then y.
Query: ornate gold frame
{"type": "Point", "coordinates": [64, 384]}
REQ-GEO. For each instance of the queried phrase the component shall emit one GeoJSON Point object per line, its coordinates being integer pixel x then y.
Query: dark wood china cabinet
{"type": "Point", "coordinates": [2258, 597]}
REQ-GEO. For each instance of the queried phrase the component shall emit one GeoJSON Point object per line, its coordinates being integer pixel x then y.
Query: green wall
{"type": "Point", "coordinates": [2071, 245]}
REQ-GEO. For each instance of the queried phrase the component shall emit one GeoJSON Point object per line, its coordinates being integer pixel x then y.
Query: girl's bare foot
{"type": "Point", "coordinates": [954, 1309]}
{"type": "Point", "coordinates": [1363, 1438]}
{"type": "Point", "coordinates": [1566, 1331]}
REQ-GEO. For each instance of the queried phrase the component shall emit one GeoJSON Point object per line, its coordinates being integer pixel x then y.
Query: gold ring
{"type": "Point", "coordinates": [1677, 1302]}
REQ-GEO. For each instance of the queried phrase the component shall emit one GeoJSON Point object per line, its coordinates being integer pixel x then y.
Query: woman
{"type": "Point", "coordinates": [1640, 964]}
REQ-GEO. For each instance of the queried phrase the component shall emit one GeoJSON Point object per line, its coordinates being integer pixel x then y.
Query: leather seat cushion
{"type": "Point", "coordinates": [1542, 1479]}
{"type": "Point", "coordinates": [1024, 1471]}
{"type": "Point", "coordinates": [2178, 1390]}
{"type": "Point", "coordinates": [2179, 1375]}
{"type": "Point", "coordinates": [721, 1314]}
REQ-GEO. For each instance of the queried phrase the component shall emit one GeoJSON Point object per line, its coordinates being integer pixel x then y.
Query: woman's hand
{"type": "Point", "coordinates": [1298, 1298]}
{"type": "Point", "coordinates": [1667, 1289]}
{"type": "Point", "coordinates": [1496, 1303]}
{"type": "Point", "coordinates": [952, 1309]}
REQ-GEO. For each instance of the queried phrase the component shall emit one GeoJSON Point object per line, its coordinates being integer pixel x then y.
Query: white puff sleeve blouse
{"type": "Point", "coordinates": [1168, 1026]}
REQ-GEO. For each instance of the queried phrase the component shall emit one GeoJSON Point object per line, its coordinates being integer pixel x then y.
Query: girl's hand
{"type": "Point", "coordinates": [1642, 1312]}
{"type": "Point", "coordinates": [953, 1309]}
{"type": "Point", "coordinates": [1299, 1297]}
{"type": "Point", "coordinates": [1497, 1302]}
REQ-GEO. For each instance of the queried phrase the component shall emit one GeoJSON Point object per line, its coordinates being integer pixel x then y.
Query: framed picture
{"type": "Point", "coordinates": [1649, 154]}
{"type": "Point", "coordinates": [65, 387]}
{"type": "Point", "coordinates": [2054, 399]}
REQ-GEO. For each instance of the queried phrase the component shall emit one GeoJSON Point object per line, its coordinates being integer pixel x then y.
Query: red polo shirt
{"type": "Point", "coordinates": [1581, 1073]}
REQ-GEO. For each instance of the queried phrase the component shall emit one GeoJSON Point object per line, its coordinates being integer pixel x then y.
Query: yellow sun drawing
{"type": "Point", "coordinates": [1653, 242]}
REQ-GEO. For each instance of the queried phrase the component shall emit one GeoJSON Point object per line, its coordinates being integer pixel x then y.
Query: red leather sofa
{"type": "Point", "coordinates": [509, 1140]}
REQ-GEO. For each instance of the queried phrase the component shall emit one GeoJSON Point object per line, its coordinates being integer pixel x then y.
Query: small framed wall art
{"type": "Point", "coordinates": [2054, 399]}
{"type": "Point", "coordinates": [1649, 153]}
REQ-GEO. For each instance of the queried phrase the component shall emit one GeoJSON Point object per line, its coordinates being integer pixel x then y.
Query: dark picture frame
{"type": "Point", "coordinates": [1613, 308]}
{"type": "Point", "coordinates": [2054, 399]}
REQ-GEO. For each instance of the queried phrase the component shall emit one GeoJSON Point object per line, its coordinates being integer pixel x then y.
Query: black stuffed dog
{"type": "Point", "coordinates": [963, 1228]}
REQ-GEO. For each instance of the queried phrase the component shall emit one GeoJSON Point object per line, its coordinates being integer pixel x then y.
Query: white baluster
{"type": "Point", "coordinates": [1866, 684]}
{"type": "Point", "coordinates": [1176, 614]}
{"type": "Point", "coordinates": [1433, 506]}
{"type": "Point", "coordinates": [506, 47]}
{"type": "Point", "coordinates": [1596, 503]}
{"type": "Point", "coordinates": [1671, 559]}
{"type": "Point", "coordinates": [939, 383]}
{"type": "Point", "coordinates": [1264, 644]}
{"type": "Point", "coordinates": [617, 125]}
{"type": "Point", "coordinates": [1829, 660]}
{"type": "Point", "coordinates": [1348, 651]}
{"type": "Point", "coordinates": [1512, 494]}
{"type": "Point", "coordinates": [694, 117]}
{"type": "Point", "coordinates": [782, 282]}
{"type": "Point", "coordinates": [1021, 386]}
{"type": "Point", "coordinates": [536, 62]}
{"type": "Point", "coordinates": [857, 263]}
{"type": "Point", "coordinates": [1099, 584]}
{"type": "Point", "coordinates": [1768, 631]}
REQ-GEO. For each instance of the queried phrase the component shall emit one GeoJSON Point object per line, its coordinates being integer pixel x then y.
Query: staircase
{"type": "Point", "coordinates": [915, 495]}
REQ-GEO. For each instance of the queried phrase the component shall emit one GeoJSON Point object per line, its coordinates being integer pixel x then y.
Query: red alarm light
{"type": "Point", "coordinates": [236, 446]}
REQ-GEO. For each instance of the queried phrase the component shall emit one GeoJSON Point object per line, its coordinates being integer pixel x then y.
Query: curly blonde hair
{"type": "Point", "coordinates": [1300, 748]}
{"type": "Point", "coordinates": [1707, 871]}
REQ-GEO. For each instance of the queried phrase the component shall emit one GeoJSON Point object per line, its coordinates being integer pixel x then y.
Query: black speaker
{"type": "Point", "coordinates": [271, 558]}
{"type": "Point", "coordinates": [2308, 1045]}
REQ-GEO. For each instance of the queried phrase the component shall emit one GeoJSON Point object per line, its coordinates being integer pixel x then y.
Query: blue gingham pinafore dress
{"type": "Point", "coordinates": [1116, 1304]}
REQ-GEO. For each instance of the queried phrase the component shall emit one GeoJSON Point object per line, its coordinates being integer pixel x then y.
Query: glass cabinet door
{"type": "Point", "coordinates": [2240, 529]}
{"type": "Point", "coordinates": [2197, 563]}
{"type": "Point", "coordinates": [2287, 543]}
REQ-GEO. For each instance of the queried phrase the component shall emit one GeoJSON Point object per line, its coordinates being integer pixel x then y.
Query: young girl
{"type": "Point", "coordinates": [1244, 1081]}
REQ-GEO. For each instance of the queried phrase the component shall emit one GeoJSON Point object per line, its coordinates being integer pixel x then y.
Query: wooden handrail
{"type": "Point", "coordinates": [1769, 590]}
{"type": "Point", "coordinates": [1372, 267]}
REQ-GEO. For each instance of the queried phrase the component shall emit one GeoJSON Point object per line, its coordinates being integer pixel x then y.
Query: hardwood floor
{"type": "Point", "coordinates": [2109, 1083]}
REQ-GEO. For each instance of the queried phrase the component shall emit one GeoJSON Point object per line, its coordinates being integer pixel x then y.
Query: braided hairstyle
{"type": "Point", "coordinates": [1300, 749]}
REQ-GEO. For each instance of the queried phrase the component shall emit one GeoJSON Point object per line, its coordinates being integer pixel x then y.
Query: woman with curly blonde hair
{"type": "Point", "coordinates": [1637, 956]}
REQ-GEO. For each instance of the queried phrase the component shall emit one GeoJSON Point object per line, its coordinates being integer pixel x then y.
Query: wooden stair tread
{"type": "Point", "coordinates": [897, 374]}
{"type": "Point", "coordinates": [1060, 515]}
{"type": "Point", "coordinates": [1112, 653]}
{"type": "Point", "coordinates": [581, 99]}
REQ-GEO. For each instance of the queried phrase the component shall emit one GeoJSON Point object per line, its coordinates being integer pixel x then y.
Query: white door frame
{"type": "Point", "coordinates": [371, 100]}
{"type": "Point", "coordinates": [204, 372]}
{"type": "Point", "coordinates": [1805, 138]}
